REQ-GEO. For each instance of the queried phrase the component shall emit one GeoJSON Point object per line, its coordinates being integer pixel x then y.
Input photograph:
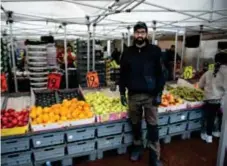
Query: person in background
{"type": "Point", "coordinates": [71, 57]}
{"type": "Point", "coordinates": [214, 84]}
{"type": "Point", "coordinates": [141, 73]}
{"type": "Point", "coordinates": [116, 55]}
{"type": "Point", "coordinates": [170, 56]}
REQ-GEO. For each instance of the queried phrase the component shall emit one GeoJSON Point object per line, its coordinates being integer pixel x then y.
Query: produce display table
{"type": "Point", "coordinates": [90, 140]}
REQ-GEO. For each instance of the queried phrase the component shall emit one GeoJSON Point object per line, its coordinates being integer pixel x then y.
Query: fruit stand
{"type": "Point", "coordinates": [72, 123]}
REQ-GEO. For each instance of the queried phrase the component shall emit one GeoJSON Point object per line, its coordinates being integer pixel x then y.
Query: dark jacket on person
{"type": "Point", "coordinates": [141, 70]}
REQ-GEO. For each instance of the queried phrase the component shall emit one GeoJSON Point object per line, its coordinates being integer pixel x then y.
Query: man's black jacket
{"type": "Point", "coordinates": [141, 70]}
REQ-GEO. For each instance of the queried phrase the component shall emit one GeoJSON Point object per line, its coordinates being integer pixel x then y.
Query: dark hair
{"type": "Point", "coordinates": [220, 59]}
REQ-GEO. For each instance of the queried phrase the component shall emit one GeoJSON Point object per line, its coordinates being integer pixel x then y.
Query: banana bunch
{"type": "Point", "coordinates": [188, 94]}
{"type": "Point", "coordinates": [114, 65]}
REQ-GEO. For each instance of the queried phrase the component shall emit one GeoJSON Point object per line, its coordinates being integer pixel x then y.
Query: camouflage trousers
{"type": "Point", "coordinates": [140, 104]}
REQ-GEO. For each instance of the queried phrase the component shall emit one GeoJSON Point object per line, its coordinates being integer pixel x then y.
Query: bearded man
{"type": "Point", "coordinates": [142, 75]}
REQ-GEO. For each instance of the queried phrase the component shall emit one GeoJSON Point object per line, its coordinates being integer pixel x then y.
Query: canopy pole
{"type": "Point", "coordinates": [108, 48]}
{"type": "Point", "coordinates": [88, 44]}
{"type": "Point", "coordinates": [129, 35]}
{"type": "Point", "coordinates": [175, 55]}
{"type": "Point", "coordinates": [154, 31]}
{"type": "Point", "coordinates": [122, 43]}
{"type": "Point", "coordinates": [223, 139]}
{"type": "Point", "coordinates": [93, 48]}
{"type": "Point", "coordinates": [183, 51]}
{"type": "Point", "coordinates": [200, 49]}
{"type": "Point", "coordinates": [66, 58]}
{"type": "Point", "coordinates": [10, 20]}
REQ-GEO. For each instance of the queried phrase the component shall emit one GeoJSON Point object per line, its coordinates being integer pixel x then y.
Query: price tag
{"type": "Point", "coordinates": [92, 80]}
{"type": "Point", "coordinates": [4, 86]}
{"type": "Point", "coordinates": [188, 72]}
{"type": "Point", "coordinates": [54, 80]}
{"type": "Point", "coordinates": [211, 66]}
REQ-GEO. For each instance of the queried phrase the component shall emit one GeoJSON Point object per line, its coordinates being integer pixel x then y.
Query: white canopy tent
{"type": "Point", "coordinates": [41, 17]}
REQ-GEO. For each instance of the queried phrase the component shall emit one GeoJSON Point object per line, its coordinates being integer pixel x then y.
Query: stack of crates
{"type": "Point", "coordinates": [48, 147]}
{"type": "Point", "coordinates": [81, 142]}
{"type": "Point", "coordinates": [195, 119]}
{"type": "Point", "coordinates": [109, 137]}
{"type": "Point", "coordinates": [82, 63]}
{"type": "Point", "coordinates": [16, 151]}
{"type": "Point", "coordinates": [4, 55]}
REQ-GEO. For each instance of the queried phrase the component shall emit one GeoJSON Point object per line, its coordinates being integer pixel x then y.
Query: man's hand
{"type": "Point", "coordinates": [157, 100]}
{"type": "Point", "coordinates": [123, 100]}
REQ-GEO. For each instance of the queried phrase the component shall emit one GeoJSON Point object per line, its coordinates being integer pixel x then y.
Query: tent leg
{"type": "Point", "coordinates": [183, 51]}
{"type": "Point", "coordinates": [128, 36]}
{"type": "Point", "coordinates": [88, 48]}
{"type": "Point", "coordinates": [200, 49]}
{"type": "Point", "coordinates": [93, 48]}
{"type": "Point", "coordinates": [66, 58]}
{"type": "Point", "coordinates": [13, 56]}
{"type": "Point", "coordinates": [175, 56]}
{"type": "Point", "coordinates": [223, 139]}
{"type": "Point", "coordinates": [154, 31]}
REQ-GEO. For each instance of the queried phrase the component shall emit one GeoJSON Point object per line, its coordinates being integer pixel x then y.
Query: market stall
{"type": "Point", "coordinates": [53, 124]}
{"type": "Point", "coordinates": [61, 125]}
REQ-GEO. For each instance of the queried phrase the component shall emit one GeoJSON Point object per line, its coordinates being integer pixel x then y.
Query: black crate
{"type": "Point", "coordinates": [45, 98]}
{"type": "Point", "coordinates": [69, 94]}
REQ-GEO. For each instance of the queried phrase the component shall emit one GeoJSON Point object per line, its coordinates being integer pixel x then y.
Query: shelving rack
{"type": "Point", "coordinates": [82, 63]}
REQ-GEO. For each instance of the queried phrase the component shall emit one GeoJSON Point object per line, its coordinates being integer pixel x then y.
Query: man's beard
{"type": "Point", "coordinates": [139, 41]}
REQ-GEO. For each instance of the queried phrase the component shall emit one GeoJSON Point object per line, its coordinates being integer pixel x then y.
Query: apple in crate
{"type": "Point", "coordinates": [10, 118]}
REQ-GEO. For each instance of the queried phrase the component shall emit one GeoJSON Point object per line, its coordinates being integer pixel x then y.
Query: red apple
{"type": "Point", "coordinates": [7, 114]}
{"type": "Point", "coordinates": [15, 121]}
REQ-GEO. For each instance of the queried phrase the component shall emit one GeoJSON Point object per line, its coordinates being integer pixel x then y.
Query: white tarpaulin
{"type": "Point", "coordinates": [38, 17]}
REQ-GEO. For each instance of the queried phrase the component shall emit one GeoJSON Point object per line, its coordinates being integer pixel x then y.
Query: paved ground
{"type": "Point", "coordinates": [193, 152]}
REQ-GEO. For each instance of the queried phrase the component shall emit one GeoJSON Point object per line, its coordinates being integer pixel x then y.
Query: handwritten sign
{"type": "Point", "coordinates": [4, 86]}
{"type": "Point", "coordinates": [188, 72]}
{"type": "Point", "coordinates": [92, 80]}
{"type": "Point", "coordinates": [54, 81]}
{"type": "Point", "coordinates": [211, 66]}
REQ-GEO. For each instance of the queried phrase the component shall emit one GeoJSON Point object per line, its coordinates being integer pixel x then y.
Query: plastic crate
{"type": "Point", "coordinates": [176, 128]}
{"type": "Point", "coordinates": [127, 127]}
{"type": "Point", "coordinates": [195, 114]}
{"type": "Point", "coordinates": [110, 141]}
{"type": "Point", "coordinates": [48, 139]}
{"type": "Point", "coordinates": [163, 130]}
{"type": "Point", "coordinates": [194, 124]}
{"type": "Point", "coordinates": [69, 94]}
{"type": "Point", "coordinates": [80, 134]}
{"type": "Point", "coordinates": [163, 120]}
{"type": "Point", "coordinates": [14, 145]}
{"type": "Point", "coordinates": [178, 117]}
{"type": "Point", "coordinates": [81, 147]}
{"type": "Point", "coordinates": [128, 138]}
{"type": "Point", "coordinates": [49, 152]}
{"type": "Point", "coordinates": [109, 129]}
{"type": "Point", "coordinates": [15, 159]}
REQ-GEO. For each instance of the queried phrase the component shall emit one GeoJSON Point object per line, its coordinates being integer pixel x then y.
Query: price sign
{"type": "Point", "coordinates": [188, 72]}
{"type": "Point", "coordinates": [4, 86]}
{"type": "Point", "coordinates": [92, 80]}
{"type": "Point", "coordinates": [54, 80]}
{"type": "Point", "coordinates": [211, 67]}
